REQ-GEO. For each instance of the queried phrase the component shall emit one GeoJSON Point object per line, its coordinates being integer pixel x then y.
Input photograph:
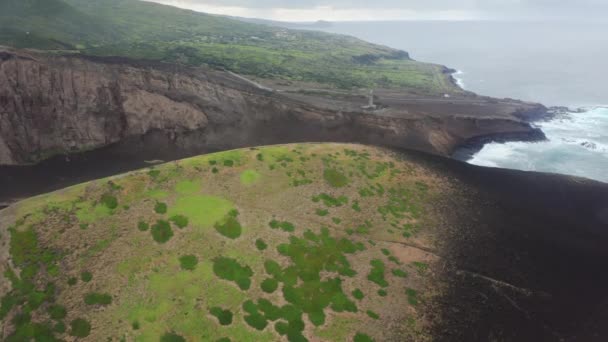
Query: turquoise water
{"type": "Point", "coordinates": [577, 145]}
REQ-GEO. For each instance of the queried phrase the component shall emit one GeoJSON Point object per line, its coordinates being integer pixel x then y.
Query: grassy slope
{"type": "Point", "coordinates": [145, 30]}
{"type": "Point", "coordinates": [299, 240]}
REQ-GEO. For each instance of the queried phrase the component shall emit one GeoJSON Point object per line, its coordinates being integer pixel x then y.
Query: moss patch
{"type": "Point", "coordinates": [335, 178]}
{"type": "Point", "coordinates": [203, 211]}
{"type": "Point", "coordinates": [249, 177]}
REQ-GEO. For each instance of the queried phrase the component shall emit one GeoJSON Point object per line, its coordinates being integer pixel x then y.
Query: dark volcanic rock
{"type": "Point", "coordinates": [523, 256]}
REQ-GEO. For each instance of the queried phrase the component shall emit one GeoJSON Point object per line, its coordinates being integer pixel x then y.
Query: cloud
{"type": "Point", "coordinates": [355, 10]}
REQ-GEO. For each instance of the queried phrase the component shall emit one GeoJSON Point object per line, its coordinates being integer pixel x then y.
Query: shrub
{"type": "Point", "coordinates": [359, 337]}
{"type": "Point", "coordinates": [135, 325]}
{"type": "Point", "coordinates": [188, 262]}
{"type": "Point", "coordinates": [72, 281]}
{"type": "Point", "coordinates": [376, 274]}
{"type": "Point", "coordinates": [172, 337]}
{"type": "Point", "coordinates": [358, 294]}
{"type": "Point", "coordinates": [57, 311]}
{"type": "Point", "coordinates": [230, 227]}
{"type": "Point", "coordinates": [95, 298]}
{"type": "Point", "coordinates": [109, 201]}
{"type": "Point", "coordinates": [285, 226]}
{"type": "Point", "coordinates": [160, 208]}
{"type": "Point", "coordinates": [86, 276]}
{"type": "Point", "coordinates": [223, 316]}
{"type": "Point", "coordinates": [80, 328]}
{"type": "Point", "coordinates": [143, 226]}
{"type": "Point", "coordinates": [322, 212]}
{"type": "Point", "coordinates": [270, 285]}
{"type": "Point", "coordinates": [154, 174]}
{"type": "Point", "coordinates": [230, 269]}
{"type": "Point", "coordinates": [228, 163]}
{"type": "Point", "coordinates": [59, 327]}
{"type": "Point", "coordinates": [382, 293]}
{"type": "Point", "coordinates": [260, 244]}
{"type": "Point", "coordinates": [180, 221]}
{"type": "Point", "coordinates": [161, 231]}
{"type": "Point", "coordinates": [372, 314]}
{"type": "Point", "coordinates": [412, 296]}
{"type": "Point", "coordinates": [399, 273]}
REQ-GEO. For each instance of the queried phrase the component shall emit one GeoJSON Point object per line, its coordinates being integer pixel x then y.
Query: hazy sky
{"type": "Point", "coordinates": [354, 10]}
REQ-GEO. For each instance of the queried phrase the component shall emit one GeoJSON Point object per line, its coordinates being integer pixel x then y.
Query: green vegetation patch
{"type": "Point", "coordinates": [335, 178]}
{"type": "Point", "coordinates": [86, 276]}
{"type": "Point", "coordinates": [95, 298]}
{"type": "Point", "coordinates": [230, 269]}
{"type": "Point", "coordinates": [359, 337]}
{"type": "Point", "coordinates": [180, 221]}
{"type": "Point", "coordinates": [188, 187]}
{"type": "Point", "coordinates": [143, 226]}
{"type": "Point", "coordinates": [283, 225]}
{"type": "Point", "coordinates": [172, 337]}
{"type": "Point", "coordinates": [160, 208]}
{"type": "Point", "coordinates": [412, 296]}
{"type": "Point", "coordinates": [57, 311]}
{"type": "Point", "coordinates": [399, 273]}
{"type": "Point", "coordinates": [311, 255]}
{"type": "Point", "coordinates": [188, 262]}
{"type": "Point", "coordinates": [249, 177]}
{"type": "Point", "coordinates": [80, 328]}
{"type": "Point", "coordinates": [322, 212]}
{"type": "Point", "coordinates": [358, 294]}
{"type": "Point", "coordinates": [376, 274]}
{"type": "Point", "coordinates": [223, 316]}
{"type": "Point", "coordinates": [372, 314]}
{"type": "Point", "coordinates": [330, 201]}
{"type": "Point", "coordinates": [161, 231]}
{"type": "Point", "coordinates": [269, 285]}
{"type": "Point", "coordinates": [260, 244]}
{"type": "Point", "coordinates": [421, 267]}
{"type": "Point", "coordinates": [229, 227]}
{"type": "Point", "coordinates": [202, 211]}
{"type": "Point", "coordinates": [109, 201]}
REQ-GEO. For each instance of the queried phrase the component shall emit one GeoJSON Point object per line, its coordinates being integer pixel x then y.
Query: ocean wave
{"type": "Point", "coordinates": [457, 77]}
{"type": "Point", "coordinates": [577, 144]}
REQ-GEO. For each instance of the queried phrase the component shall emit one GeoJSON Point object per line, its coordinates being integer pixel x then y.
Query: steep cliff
{"type": "Point", "coordinates": [52, 104]}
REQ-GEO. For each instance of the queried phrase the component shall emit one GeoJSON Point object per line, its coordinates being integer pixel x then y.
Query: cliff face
{"type": "Point", "coordinates": [60, 104]}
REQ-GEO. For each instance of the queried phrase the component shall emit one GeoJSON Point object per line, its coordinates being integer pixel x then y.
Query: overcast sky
{"type": "Point", "coordinates": [355, 10]}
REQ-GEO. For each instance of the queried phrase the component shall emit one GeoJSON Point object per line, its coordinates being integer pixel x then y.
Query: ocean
{"type": "Point", "coordinates": [557, 63]}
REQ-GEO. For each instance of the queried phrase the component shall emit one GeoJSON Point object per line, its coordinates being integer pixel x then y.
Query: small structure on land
{"type": "Point", "coordinates": [370, 105]}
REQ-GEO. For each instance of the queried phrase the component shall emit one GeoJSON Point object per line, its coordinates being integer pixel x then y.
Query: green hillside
{"type": "Point", "coordinates": [295, 243]}
{"type": "Point", "coordinates": [146, 30]}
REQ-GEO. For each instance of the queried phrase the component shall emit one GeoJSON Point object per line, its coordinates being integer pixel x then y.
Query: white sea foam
{"type": "Point", "coordinates": [577, 145]}
{"type": "Point", "coordinates": [458, 77]}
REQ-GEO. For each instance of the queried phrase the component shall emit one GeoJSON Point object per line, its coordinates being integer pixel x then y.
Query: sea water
{"type": "Point", "coordinates": [557, 63]}
{"type": "Point", "coordinates": [577, 144]}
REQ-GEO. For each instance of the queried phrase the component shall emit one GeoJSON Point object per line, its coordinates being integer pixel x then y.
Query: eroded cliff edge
{"type": "Point", "coordinates": [54, 104]}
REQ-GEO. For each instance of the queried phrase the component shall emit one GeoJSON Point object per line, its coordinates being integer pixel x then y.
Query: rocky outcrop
{"type": "Point", "coordinates": [63, 104]}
